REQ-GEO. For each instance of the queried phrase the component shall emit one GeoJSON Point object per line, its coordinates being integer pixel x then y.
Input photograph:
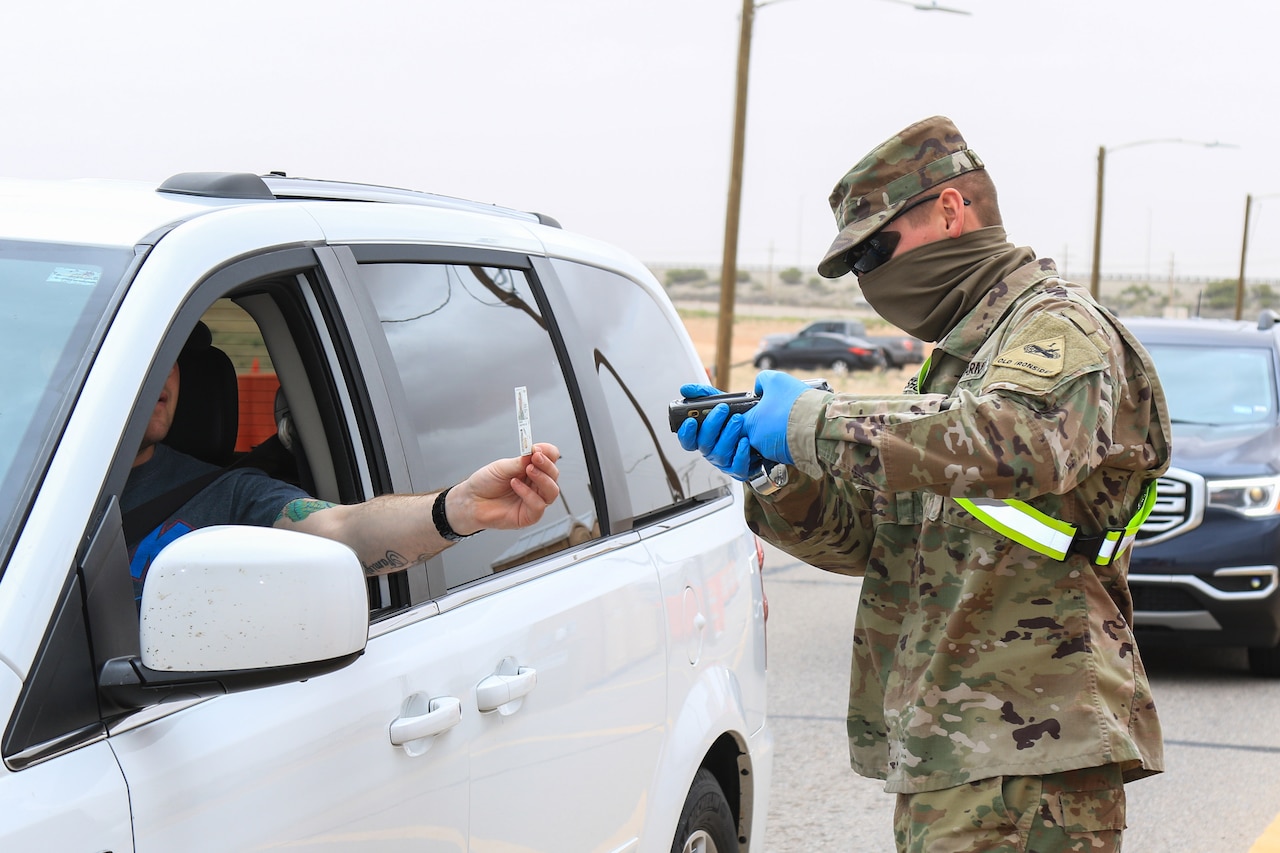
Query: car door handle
{"type": "Point", "coordinates": [442, 714]}
{"type": "Point", "coordinates": [500, 689]}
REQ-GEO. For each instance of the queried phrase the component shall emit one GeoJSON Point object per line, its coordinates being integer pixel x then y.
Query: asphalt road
{"type": "Point", "coordinates": [1220, 792]}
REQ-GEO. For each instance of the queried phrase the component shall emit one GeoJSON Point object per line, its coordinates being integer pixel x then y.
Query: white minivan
{"type": "Point", "coordinates": [593, 683]}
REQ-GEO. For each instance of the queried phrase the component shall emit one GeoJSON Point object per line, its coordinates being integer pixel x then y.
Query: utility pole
{"type": "Point", "coordinates": [729, 266]}
{"type": "Point", "coordinates": [1095, 270]}
{"type": "Point", "coordinates": [1095, 273]}
{"type": "Point", "coordinates": [1244, 250]}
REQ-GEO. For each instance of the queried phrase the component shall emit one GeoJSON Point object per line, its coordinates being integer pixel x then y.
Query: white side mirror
{"type": "Point", "coordinates": [231, 598]}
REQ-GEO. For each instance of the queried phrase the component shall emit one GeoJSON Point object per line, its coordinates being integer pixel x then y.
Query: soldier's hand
{"type": "Point", "coordinates": [694, 390]}
{"type": "Point", "coordinates": [719, 437]}
{"type": "Point", "coordinates": [688, 432]}
{"type": "Point", "coordinates": [766, 422]}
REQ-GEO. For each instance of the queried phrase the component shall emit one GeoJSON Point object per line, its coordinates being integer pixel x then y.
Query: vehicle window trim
{"type": "Point", "coordinates": [367, 459]}
{"type": "Point", "coordinates": [488, 585]}
{"type": "Point", "coordinates": [369, 352]}
{"type": "Point", "coordinates": [613, 504]}
{"type": "Point", "coordinates": [413, 253]}
{"type": "Point", "coordinates": [388, 465]}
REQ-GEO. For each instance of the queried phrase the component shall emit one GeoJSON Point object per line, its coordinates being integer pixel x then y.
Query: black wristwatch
{"type": "Point", "coordinates": [769, 477]}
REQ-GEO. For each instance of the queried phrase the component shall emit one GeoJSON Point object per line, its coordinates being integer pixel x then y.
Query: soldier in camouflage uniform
{"type": "Point", "coordinates": [996, 686]}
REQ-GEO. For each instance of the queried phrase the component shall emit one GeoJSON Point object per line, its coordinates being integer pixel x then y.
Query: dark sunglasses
{"type": "Point", "coordinates": [878, 248]}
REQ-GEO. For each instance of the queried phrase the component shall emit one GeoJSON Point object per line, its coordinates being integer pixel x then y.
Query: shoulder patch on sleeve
{"type": "Point", "coordinates": [1043, 357]}
{"type": "Point", "coordinates": [1044, 351]}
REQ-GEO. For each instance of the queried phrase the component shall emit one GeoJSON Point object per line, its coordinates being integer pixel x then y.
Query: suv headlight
{"type": "Point", "coordinates": [1251, 496]}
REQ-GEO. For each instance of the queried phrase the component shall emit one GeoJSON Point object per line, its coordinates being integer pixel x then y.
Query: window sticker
{"type": "Point", "coordinates": [74, 275]}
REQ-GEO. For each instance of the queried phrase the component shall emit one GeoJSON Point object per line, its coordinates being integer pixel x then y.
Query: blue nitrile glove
{"type": "Point", "coordinates": [766, 422]}
{"type": "Point", "coordinates": [720, 438]}
{"type": "Point", "coordinates": [693, 390]}
{"type": "Point", "coordinates": [688, 432]}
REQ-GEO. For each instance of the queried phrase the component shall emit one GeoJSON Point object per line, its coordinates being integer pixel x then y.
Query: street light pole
{"type": "Point", "coordinates": [1096, 272]}
{"type": "Point", "coordinates": [729, 265]}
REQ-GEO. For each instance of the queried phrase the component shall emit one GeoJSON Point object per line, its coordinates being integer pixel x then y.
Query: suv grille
{"type": "Point", "coordinates": [1179, 507]}
{"type": "Point", "coordinates": [1159, 598]}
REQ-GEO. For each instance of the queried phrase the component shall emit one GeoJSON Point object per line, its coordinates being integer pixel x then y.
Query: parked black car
{"type": "Point", "coordinates": [1204, 567]}
{"type": "Point", "coordinates": [840, 353]}
{"type": "Point", "coordinates": [899, 350]}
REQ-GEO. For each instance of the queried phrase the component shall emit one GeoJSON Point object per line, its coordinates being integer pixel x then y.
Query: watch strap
{"type": "Point", "coordinates": [441, 520]}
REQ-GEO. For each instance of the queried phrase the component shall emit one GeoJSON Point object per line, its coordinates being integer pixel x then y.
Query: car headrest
{"type": "Point", "coordinates": [207, 418]}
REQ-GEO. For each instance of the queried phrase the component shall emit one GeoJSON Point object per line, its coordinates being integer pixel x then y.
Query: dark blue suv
{"type": "Point", "coordinates": [1204, 568]}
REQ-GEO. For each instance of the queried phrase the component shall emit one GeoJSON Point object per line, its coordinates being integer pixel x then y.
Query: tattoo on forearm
{"type": "Point", "coordinates": [389, 563]}
{"type": "Point", "coordinates": [303, 507]}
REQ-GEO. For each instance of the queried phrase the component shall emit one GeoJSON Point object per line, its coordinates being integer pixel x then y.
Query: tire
{"type": "Point", "coordinates": [764, 362]}
{"type": "Point", "coordinates": [706, 821]}
{"type": "Point", "coordinates": [1265, 662]}
{"type": "Point", "coordinates": [840, 367]}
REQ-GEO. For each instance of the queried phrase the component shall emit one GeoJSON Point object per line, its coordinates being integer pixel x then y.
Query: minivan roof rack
{"type": "Point", "coordinates": [284, 186]}
{"type": "Point", "coordinates": [278, 185]}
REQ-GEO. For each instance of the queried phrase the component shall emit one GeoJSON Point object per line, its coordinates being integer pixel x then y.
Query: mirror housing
{"type": "Point", "coordinates": [233, 608]}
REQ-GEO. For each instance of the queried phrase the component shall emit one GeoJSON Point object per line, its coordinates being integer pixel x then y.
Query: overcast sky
{"type": "Point", "coordinates": [615, 116]}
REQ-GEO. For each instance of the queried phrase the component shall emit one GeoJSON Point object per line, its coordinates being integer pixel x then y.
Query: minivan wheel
{"type": "Point", "coordinates": [764, 363]}
{"type": "Point", "coordinates": [706, 822]}
{"type": "Point", "coordinates": [1265, 662]}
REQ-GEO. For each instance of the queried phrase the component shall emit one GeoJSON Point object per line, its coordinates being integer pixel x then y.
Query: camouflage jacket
{"type": "Point", "coordinates": [975, 656]}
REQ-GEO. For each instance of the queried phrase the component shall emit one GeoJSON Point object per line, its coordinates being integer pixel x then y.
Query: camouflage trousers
{"type": "Point", "coordinates": [1080, 810]}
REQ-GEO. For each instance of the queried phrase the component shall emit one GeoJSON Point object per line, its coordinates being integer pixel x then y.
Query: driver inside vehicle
{"type": "Point", "coordinates": [176, 493]}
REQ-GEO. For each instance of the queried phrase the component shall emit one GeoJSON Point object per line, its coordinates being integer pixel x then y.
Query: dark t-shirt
{"type": "Point", "coordinates": [241, 496]}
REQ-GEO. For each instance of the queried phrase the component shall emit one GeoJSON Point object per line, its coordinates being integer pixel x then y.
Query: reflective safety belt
{"type": "Point", "coordinates": [1046, 535]}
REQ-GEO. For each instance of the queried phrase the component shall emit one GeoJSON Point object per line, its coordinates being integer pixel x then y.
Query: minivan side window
{"type": "Point", "coordinates": [463, 339]}
{"type": "Point", "coordinates": [660, 475]}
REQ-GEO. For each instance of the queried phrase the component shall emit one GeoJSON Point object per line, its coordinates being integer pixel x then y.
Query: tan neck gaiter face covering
{"type": "Point", "coordinates": [927, 290]}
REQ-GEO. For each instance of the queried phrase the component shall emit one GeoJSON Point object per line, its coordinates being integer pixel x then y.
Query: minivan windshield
{"type": "Point", "coordinates": [54, 296]}
{"type": "Point", "coordinates": [1218, 385]}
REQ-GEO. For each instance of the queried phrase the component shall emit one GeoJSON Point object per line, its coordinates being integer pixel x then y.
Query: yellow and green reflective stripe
{"type": "Point", "coordinates": [1119, 541]}
{"type": "Point", "coordinates": [924, 371]}
{"type": "Point", "coordinates": [1024, 524]}
{"type": "Point", "coordinates": [1045, 534]}
{"type": "Point", "coordinates": [1144, 509]}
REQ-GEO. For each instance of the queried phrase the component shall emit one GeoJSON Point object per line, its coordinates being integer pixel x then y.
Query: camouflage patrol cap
{"type": "Point", "coordinates": [905, 165]}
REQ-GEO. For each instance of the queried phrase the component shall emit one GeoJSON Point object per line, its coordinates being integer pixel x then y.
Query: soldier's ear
{"type": "Point", "coordinates": [955, 212]}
